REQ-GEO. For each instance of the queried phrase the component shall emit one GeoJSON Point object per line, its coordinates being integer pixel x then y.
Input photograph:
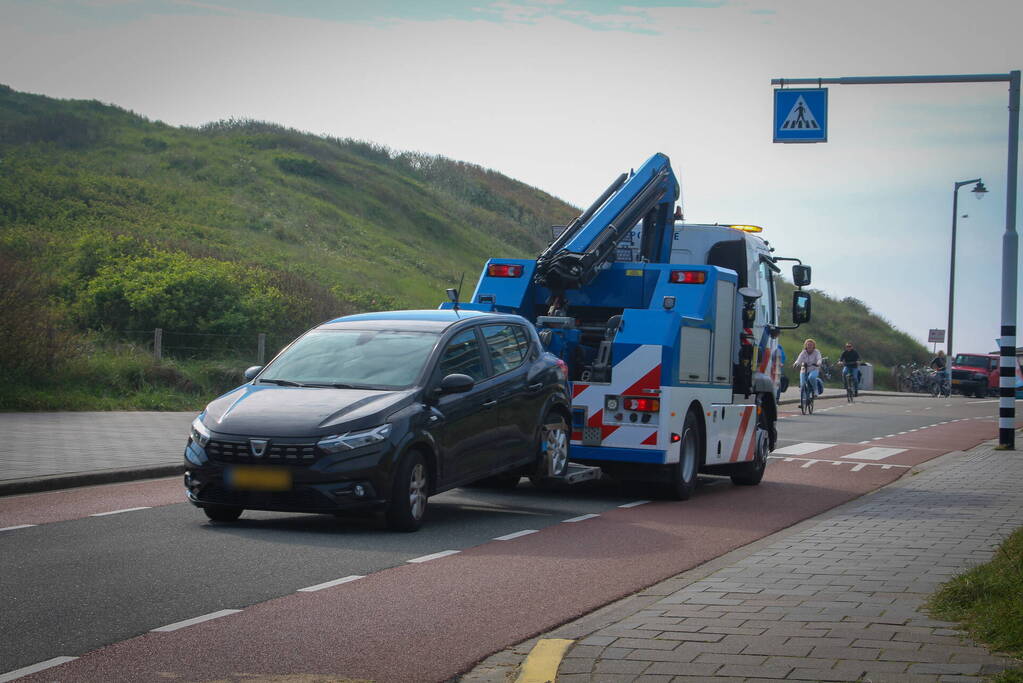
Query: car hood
{"type": "Point", "coordinates": [269, 410]}
{"type": "Point", "coordinates": [971, 368]}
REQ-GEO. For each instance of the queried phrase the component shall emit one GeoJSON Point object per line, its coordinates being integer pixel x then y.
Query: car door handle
{"type": "Point", "coordinates": [490, 404]}
{"type": "Point", "coordinates": [536, 387]}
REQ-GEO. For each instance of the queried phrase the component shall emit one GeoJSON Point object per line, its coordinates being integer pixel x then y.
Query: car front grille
{"type": "Point", "coordinates": [962, 374]}
{"type": "Point", "coordinates": [275, 453]}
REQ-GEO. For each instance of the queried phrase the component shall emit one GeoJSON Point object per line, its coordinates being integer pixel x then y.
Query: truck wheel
{"type": "Point", "coordinates": [750, 473]}
{"type": "Point", "coordinates": [551, 451]}
{"type": "Point", "coordinates": [409, 495]}
{"type": "Point", "coordinates": [223, 513]}
{"type": "Point", "coordinates": [684, 472]}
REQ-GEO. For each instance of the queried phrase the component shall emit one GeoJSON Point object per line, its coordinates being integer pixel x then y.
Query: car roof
{"type": "Point", "coordinates": [435, 320]}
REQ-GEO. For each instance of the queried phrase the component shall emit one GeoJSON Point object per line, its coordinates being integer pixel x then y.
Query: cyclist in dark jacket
{"type": "Point", "coordinates": [850, 362]}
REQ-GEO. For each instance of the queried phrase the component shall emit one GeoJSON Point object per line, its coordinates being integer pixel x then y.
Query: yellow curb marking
{"type": "Point", "coordinates": [541, 666]}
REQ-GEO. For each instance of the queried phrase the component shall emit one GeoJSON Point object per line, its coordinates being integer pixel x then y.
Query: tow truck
{"type": "Point", "coordinates": [669, 331]}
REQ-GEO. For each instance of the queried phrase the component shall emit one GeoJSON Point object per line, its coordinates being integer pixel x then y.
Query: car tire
{"type": "Point", "coordinates": [409, 494]}
{"type": "Point", "coordinates": [981, 392]}
{"type": "Point", "coordinates": [223, 513]}
{"type": "Point", "coordinates": [554, 438]}
{"type": "Point", "coordinates": [685, 470]}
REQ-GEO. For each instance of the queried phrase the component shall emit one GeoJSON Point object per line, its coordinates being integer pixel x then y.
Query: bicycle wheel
{"type": "Point", "coordinates": [802, 400]}
{"type": "Point", "coordinates": [809, 405]}
{"type": "Point", "coordinates": [848, 391]}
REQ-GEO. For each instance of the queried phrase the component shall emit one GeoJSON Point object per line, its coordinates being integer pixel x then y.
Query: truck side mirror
{"type": "Point", "coordinates": [801, 275]}
{"type": "Point", "coordinates": [800, 307]}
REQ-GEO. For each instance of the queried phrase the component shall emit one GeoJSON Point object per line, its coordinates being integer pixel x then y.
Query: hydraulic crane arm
{"type": "Point", "coordinates": [575, 258]}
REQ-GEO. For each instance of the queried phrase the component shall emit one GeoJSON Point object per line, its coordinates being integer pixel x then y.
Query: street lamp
{"type": "Point", "coordinates": [978, 191]}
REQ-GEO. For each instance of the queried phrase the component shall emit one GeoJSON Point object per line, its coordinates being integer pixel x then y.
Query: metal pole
{"type": "Point", "coordinates": [158, 343]}
{"type": "Point", "coordinates": [1010, 241]}
{"type": "Point", "coordinates": [1010, 245]}
{"type": "Point", "coordinates": [952, 281]}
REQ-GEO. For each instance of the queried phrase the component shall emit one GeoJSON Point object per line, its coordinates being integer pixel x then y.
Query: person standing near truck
{"type": "Point", "coordinates": [850, 362]}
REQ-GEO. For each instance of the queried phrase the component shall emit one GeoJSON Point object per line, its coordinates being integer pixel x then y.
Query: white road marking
{"type": "Point", "coordinates": [20, 526]}
{"type": "Point", "coordinates": [929, 408]}
{"type": "Point", "coordinates": [580, 518]}
{"type": "Point", "coordinates": [867, 441]}
{"type": "Point", "coordinates": [901, 433]}
{"type": "Point", "coordinates": [808, 463]}
{"type": "Point", "coordinates": [974, 403]}
{"type": "Point", "coordinates": [855, 467]}
{"type": "Point", "coordinates": [196, 620]}
{"type": "Point", "coordinates": [517, 534]}
{"type": "Point", "coordinates": [434, 556]}
{"type": "Point", "coordinates": [877, 438]}
{"type": "Point", "coordinates": [875, 453]}
{"type": "Point", "coordinates": [117, 512]}
{"type": "Point", "coordinates": [634, 504]}
{"type": "Point", "coordinates": [34, 668]}
{"type": "Point", "coordinates": [328, 584]}
{"type": "Point", "coordinates": [859, 466]}
{"type": "Point", "coordinates": [802, 448]}
{"type": "Point", "coordinates": [888, 436]}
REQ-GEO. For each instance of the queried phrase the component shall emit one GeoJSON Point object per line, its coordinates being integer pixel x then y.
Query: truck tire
{"type": "Point", "coordinates": [684, 472]}
{"type": "Point", "coordinates": [750, 473]}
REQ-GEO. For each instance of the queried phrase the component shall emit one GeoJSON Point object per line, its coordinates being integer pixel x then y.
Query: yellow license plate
{"type": "Point", "coordinates": [258, 479]}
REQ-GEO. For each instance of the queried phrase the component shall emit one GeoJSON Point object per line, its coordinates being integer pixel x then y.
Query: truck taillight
{"type": "Point", "coordinates": [642, 405]}
{"type": "Point", "coordinates": [688, 277]}
{"type": "Point", "coordinates": [504, 270]}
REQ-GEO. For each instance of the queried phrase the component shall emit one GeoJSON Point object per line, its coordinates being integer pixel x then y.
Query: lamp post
{"type": "Point", "coordinates": [978, 191]}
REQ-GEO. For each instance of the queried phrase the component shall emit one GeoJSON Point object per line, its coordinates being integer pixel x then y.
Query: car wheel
{"type": "Point", "coordinates": [409, 496]}
{"type": "Point", "coordinates": [981, 392]}
{"type": "Point", "coordinates": [222, 513]}
{"type": "Point", "coordinates": [684, 472]}
{"type": "Point", "coordinates": [551, 451]}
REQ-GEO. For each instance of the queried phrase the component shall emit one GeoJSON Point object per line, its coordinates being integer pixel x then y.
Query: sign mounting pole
{"type": "Point", "coordinates": [1010, 240]}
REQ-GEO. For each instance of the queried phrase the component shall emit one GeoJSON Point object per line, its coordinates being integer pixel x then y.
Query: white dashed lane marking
{"type": "Point", "coordinates": [329, 584]}
{"type": "Point", "coordinates": [580, 518]}
{"type": "Point", "coordinates": [855, 467]}
{"type": "Point", "coordinates": [517, 534]}
{"type": "Point", "coordinates": [117, 512]}
{"type": "Point", "coordinates": [196, 620]}
{"type": "Point", "coordinates": [20, 526]}
{"type": "Point", "coordinates": [634, 504]}
{"type": "Point", "coordinates": [434, 556]}
{"type": "Point", "coordinates": [34, 668]}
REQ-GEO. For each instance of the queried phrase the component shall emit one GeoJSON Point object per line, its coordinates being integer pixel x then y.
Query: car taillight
{"type": "Point", "coordinates": [643, 405]}
{"type": "Point", "coordinates": [688, 277]}
{"type": "Point", "coordinates": [504, 270]}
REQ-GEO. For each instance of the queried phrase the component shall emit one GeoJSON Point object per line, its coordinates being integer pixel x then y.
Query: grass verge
{"type": "Point", "coordinates": [988, 602]}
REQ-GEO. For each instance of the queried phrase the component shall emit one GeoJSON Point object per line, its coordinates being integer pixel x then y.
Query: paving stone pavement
{"type": "Point", "coordinates": [45, 444]}
{"type": "Point", "coordinates": [838, 598]}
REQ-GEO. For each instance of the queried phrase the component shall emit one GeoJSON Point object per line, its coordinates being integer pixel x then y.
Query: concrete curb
{"type": "Point", "coordinates": [76, 479]}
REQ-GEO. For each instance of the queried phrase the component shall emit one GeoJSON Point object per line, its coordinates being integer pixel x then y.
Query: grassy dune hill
{"type": "Point", "coordinates": [112, 225]}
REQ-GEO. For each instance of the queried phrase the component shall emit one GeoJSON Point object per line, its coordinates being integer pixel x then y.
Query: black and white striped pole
{"type": "Point", "coordinates": [1010, 240]}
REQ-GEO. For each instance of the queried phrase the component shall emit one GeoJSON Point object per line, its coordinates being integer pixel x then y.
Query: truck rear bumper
{"type": "Point", "coordinates": [597, 454]}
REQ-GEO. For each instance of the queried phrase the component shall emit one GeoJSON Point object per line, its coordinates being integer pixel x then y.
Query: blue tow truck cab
{"type": "Point", "coordinates": [669, 331]}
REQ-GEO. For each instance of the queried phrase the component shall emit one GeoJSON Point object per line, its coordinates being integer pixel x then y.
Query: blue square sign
{"type": "Point", "coordinates": [801, 115]}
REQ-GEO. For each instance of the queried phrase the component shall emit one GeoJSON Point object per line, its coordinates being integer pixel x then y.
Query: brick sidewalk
{"type": "Point", "coordinates": [838, 599]}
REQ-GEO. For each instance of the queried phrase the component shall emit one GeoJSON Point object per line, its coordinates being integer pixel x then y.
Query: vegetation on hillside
{"type": "Point", "coordinates": [112, 225]}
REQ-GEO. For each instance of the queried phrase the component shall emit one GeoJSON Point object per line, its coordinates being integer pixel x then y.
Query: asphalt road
{"type": "Point", "coordinates": [82, 578]}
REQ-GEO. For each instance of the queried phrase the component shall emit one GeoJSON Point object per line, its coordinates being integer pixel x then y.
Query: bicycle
{"type": "Point", "coordinates": [805, 392]}
{"type": "Point", "coordinates": [851, 382]}
{"type": "Point", "coordinates": [939, 385]}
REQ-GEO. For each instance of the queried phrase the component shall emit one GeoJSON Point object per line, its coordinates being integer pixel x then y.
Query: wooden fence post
{"type": "Point", "coordinates": [158, 343]}
{"type": "Point", "coordinates": [261, 348]}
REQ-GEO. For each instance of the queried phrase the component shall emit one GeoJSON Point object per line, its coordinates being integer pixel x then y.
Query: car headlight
{"type": "Point", "coordinates": [352, 440]}
{"type": "Point", "coordinates": [200, 435]}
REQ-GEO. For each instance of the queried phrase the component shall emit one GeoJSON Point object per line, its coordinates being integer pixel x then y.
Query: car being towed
{"type": "Point", "coordinates": [383, 410]}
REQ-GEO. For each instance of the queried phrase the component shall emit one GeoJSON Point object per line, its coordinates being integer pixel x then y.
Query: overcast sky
{"type": "Point", "coordinates": [566, 94]}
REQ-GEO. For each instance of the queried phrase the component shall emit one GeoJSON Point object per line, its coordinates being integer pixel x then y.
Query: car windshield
{"type": "Point", "coordinates": [378, 359]}
{"type": "Point", "coordinates": [972, 361]}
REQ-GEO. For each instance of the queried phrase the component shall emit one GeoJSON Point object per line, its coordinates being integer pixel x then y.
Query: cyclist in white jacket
{"type": "Point", "coordinates": [811, 356]}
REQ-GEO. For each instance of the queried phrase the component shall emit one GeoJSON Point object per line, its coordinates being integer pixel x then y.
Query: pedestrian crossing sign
{"type": "Point", "coordinates": [801, 115]}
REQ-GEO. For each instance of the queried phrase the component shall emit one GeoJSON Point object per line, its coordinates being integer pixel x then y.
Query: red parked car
{"type": "Point", "coordinates": [975, 374]}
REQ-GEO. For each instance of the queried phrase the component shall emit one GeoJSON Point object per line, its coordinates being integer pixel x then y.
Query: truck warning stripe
{"type": "Point", "coordinates": [651, 380]}
{"type": "Point", "coordinates": [650, 440]}
{"type": "Point", "coordinates": [743, 424]}
{"type": "Point", "coordinates": [578, 388]}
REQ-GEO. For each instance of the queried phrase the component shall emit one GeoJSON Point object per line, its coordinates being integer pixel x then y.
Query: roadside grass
{"type": "Point", "coordinates": [123, 379]}
{"type": "Point", "coordinates": [988, 601]}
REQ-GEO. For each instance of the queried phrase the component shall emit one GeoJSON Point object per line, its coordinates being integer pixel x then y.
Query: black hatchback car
{"type": "Point", "coordinates": [383, 410]}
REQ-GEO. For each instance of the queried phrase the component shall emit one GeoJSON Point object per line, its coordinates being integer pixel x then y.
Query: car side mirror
{"type": "Point", "coordinates": [801, 275]}
{"type": "Point", "coordinates": [456, 383]}
{"type": "Point", "coordinates": [800, 307]}
{"type": "Point", "coordinates": [251, 373]}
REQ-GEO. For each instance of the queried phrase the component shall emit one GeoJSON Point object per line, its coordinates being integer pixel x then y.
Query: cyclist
{"type": "Point", "coordinates": [811, 357]}
{"type": "Point", "coordinates": [850, 362]}
{"type": "Point", "coordinates": [940, 364]}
